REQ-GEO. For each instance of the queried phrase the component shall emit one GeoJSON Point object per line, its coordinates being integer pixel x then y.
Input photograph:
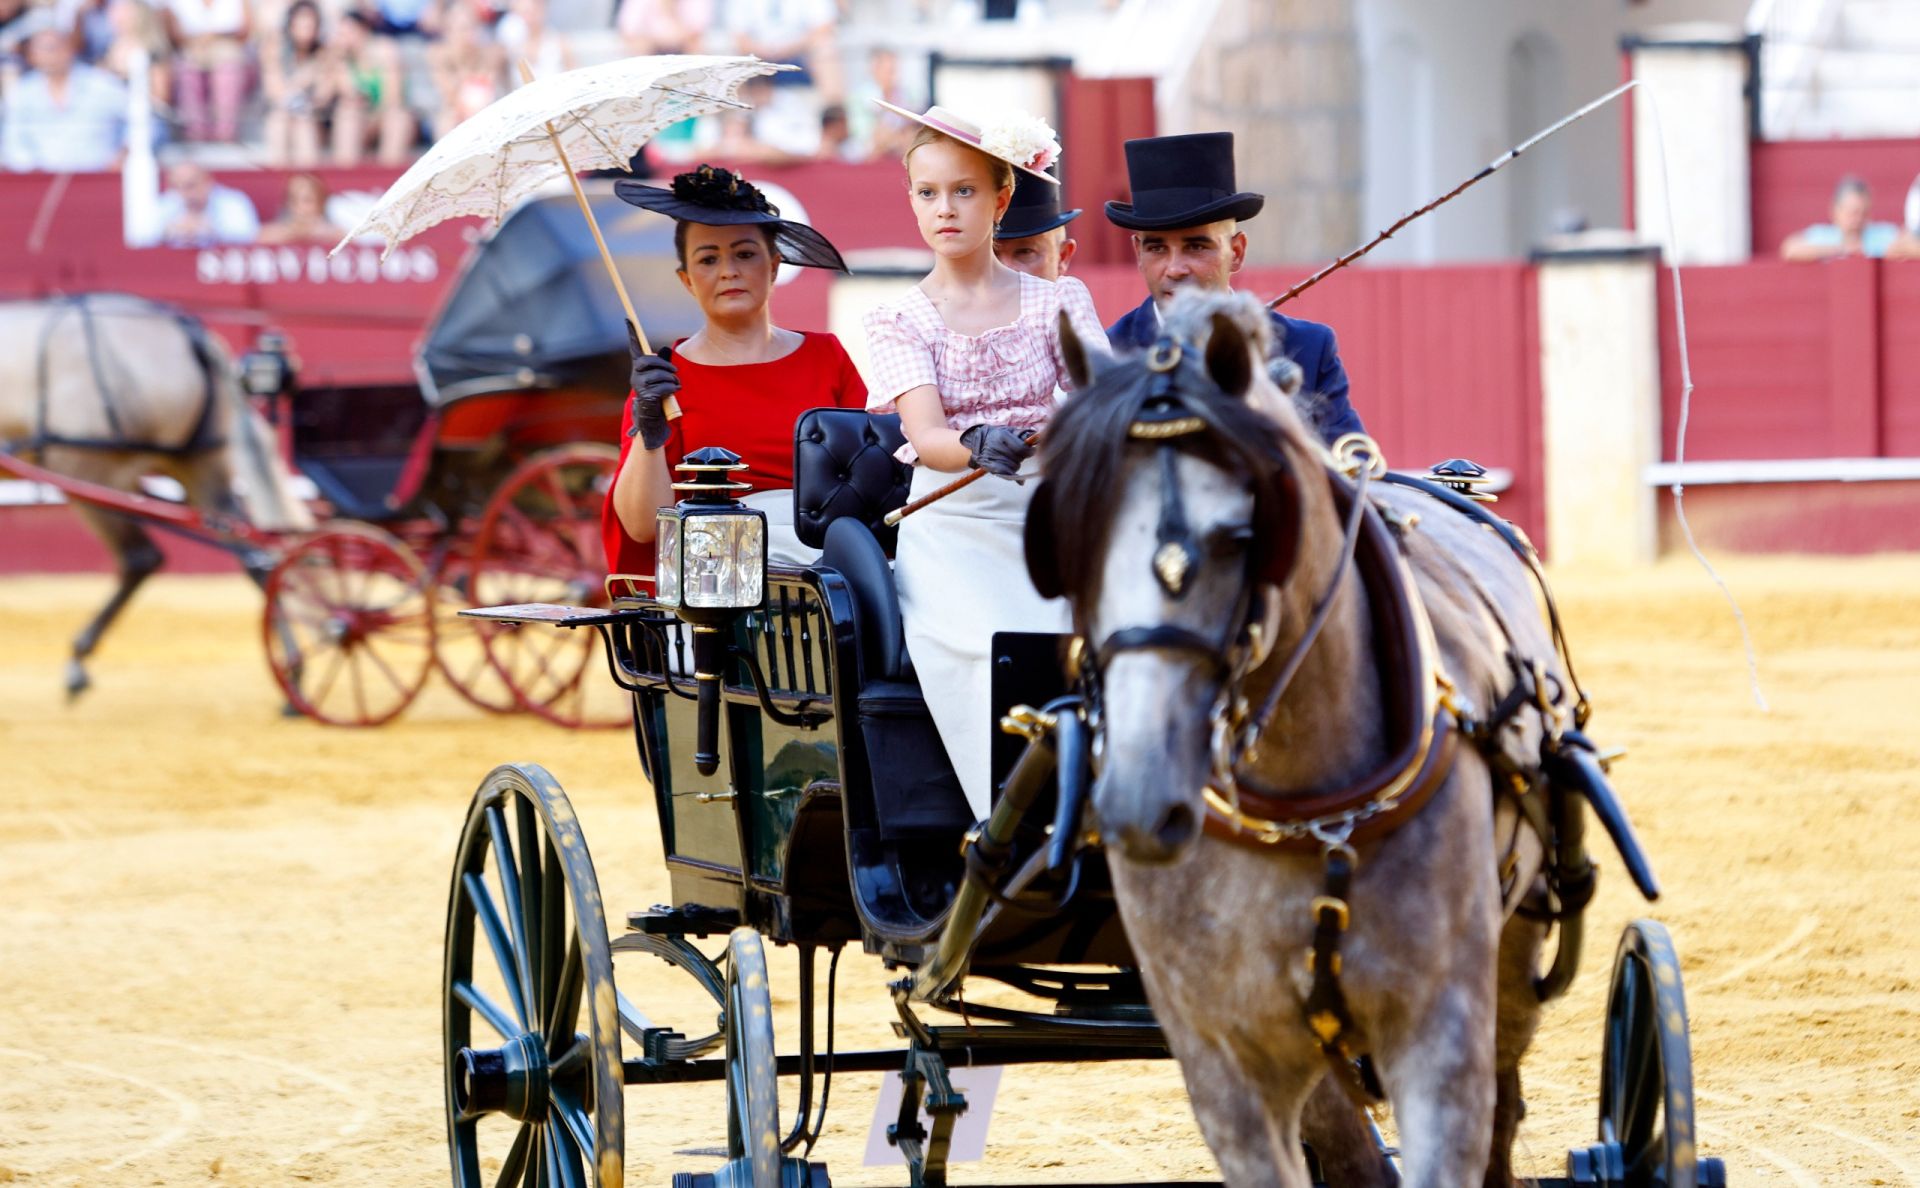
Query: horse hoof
{"type": "Point", "coordinates": [77, 682]}
{"type": "Point", "coordinates": [290, 710]}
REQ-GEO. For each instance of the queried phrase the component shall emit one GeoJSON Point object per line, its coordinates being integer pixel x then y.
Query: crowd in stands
{"type": "Point", "coordinates": [305, 83]}
{"type": "Point", "coordinates": [1850, 232]}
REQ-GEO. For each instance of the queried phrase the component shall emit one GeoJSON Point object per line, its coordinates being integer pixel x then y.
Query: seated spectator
{"type": "Point", "coordinates": [836, 136]}
{"type": "Point", "coordinates": [1849, 234]}
{"type": "Point", "coordinates": [365, 94]}
{"type": "Point", "coordinates": [780, 128]}
{"type": "Point", "coordinates": [133, 26]}
{"type": "Point", "coordinates": [1907, 246]}
{"type": "Point", "coordinates": [664, 26]}
{"type": "Point", "coordinates": [198, 212]}
{"type": "Point", "coordinates": [210, 73]}
{"type": "Point", "coordinates": [303, 217]}
{"type": "Point", "coordinates": [524, 35]}
{"type": "Point", "coordinates": [406, 18]}
{"type": "Point", "coordinates": [795, 31]}
{"type": "Point", "coordinates": [879, 133]}
{"type": "Point", "coordinates": [293, 71]}
{"type": "Point", "coordinates": [62, 116]}
{"type": "Point", "coordinates": [469, 70]}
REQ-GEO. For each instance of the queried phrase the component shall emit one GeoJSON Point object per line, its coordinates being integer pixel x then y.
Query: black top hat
{"type": "Point", "coordinates": [1035, 209]}
{"type": "Point", "coordinates": [1182, 181]}
{"type": "Point", "coordinates": [719, 198]}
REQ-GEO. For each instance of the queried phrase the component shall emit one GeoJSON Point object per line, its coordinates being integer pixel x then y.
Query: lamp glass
{"type": "Point", "coordinates": [725, 559]}
{"type": "Point", "coordinates": [666, 567]}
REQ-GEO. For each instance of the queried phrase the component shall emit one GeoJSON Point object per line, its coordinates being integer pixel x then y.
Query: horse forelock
{"type": "Point", "coordinates": [1088, 445]}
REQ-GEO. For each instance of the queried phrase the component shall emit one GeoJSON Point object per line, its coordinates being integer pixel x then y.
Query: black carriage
{"type": "Point", "coordinates": [804, 797]}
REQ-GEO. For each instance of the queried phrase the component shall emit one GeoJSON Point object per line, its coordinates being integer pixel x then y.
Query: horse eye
{"type": "Point", "coordinates": [1229, 539]}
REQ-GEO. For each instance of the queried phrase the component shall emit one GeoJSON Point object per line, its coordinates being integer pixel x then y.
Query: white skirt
{"type": "Point", "coordinates": [962, 573]}
{"type": "Point", "coordinates": [783, 543]}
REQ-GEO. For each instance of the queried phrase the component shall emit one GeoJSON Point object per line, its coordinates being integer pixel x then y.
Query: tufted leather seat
{"type": "Point", "coordinates": [843, 465]}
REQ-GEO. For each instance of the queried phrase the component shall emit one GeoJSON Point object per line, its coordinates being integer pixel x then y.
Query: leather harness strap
{"type": "Point", "coordinates": [200, 439]}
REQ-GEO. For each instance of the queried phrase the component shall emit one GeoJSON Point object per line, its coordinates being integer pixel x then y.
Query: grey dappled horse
{"type": "Point", "coordinates": [1436, 967]}
{"type": "Point", "coordinates": [109, 389]}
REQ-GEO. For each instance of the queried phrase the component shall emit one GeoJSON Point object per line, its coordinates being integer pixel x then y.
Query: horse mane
{"type": "Point", "coordinates": [1086, 444]}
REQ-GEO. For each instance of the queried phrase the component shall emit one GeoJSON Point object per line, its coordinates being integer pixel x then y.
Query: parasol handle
{"type": "Point", "coordinates": [670, 406]}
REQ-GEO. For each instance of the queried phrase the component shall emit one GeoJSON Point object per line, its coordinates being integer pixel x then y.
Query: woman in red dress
{"type": "Point", "coordinates": [741, 380]}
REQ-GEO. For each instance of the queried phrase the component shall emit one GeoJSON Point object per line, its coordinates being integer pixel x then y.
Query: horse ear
{"type": "Point", "coordinates": [1229, 361]}
{"type": "Point", "coordinates": [1043, 560]}
{"type": "Point", "coordinates": [1079, 368]}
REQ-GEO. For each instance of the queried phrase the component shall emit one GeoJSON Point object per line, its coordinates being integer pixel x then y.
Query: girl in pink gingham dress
{"type": "Point", "coordinates": [970, 358]}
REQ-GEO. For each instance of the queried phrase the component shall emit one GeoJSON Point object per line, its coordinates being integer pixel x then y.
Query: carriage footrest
{"type": "Point", "coordinates": [692, 920]}
{"type": "Point", "coordinates": [793, 1174]}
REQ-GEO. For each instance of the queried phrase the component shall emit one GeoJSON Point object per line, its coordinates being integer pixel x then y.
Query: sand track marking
{"type": "Point", "coordinates": [1787, 944]}
{"type": "Point", "coordinates": [188, 1113]}
{"type": "Point", "coordinates": [354, 1125]}
{"type": "Point", "coordinates": [1908, 1170]}
{"type": "Point", "coordinates": [1736, 1151]}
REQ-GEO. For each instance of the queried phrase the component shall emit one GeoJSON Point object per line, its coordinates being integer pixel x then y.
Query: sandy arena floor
{"type": "Point", "coordinates": [221, 935]}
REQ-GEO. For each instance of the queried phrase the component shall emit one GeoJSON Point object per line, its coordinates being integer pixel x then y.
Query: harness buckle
{"type": "Point", "coordinates": [1327, 903]}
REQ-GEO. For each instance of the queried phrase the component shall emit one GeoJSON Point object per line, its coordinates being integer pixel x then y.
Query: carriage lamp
{"type": "Point", "coordinates": [711, 550]}
{"type": "Point", "coordinates": [267, 369]}
{"type": "Point", "coordinates": [710, 564]}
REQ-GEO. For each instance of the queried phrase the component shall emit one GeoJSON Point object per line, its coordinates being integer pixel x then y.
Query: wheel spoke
{"type": "Point", "coordinates": [386, 669]}
{"type": "Point", "coordinates": [574, 1116]}
{"type": "Point", "coordinates": [537, 903]}
{"type": "Point", "coordinates": [566, 999]}
{"type": "Point", "coordinates": [553, 935]}
{"type": "Point", "coordinates": [564, 508]}
{"type": "Point", "coordinates": [487, 1009]}
{"type": "Point", "coordinates": [560, 1155]}
{"type": "Point", "coordinates": [359, 691]}
{"type": "Point", "coordinates": [515, 1164]}
{"type": "Point", "coordinates": [503, 861]}
{"type": "Point", "coordinates": [324, 685]}
{"type": "Point", "coordinates": [503, 955]}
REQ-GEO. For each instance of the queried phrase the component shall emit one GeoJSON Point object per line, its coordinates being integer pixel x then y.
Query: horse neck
{"type": "Point", "coordinates": [1328, 727]}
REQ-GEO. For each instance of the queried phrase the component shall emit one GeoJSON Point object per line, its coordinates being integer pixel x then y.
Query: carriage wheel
{"type": "Point", "coordinates": [460, 646]}
{"type": "Point", "coordinates": [539, 541]}
{"type": "Point", "coordinates": [1647, 1137]}
{"type": "Point", "coordinates": [753, 1083]}
{"type": "Point", "coordinates": [349, 625]}
{"type": "Point", "coordinates": [534, 1092]}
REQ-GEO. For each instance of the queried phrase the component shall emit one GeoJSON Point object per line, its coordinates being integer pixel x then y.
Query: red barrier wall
{"type": "Point", "coordinates": [1792, 182]}
{"type": "Point", "coordinates": [1796, 360]}
{"type": "Point", "coordinates": [1443, 362]}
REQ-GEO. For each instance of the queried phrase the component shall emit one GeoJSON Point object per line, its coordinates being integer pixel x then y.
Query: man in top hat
{"type": "Point", "coordinates": [1185, 217]}
{"type": "Point", "coordinates": [1032, 235]}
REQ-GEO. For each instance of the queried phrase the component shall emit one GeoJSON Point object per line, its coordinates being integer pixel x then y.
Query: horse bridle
{"type": "Point", "coordinates": [1236, 727]}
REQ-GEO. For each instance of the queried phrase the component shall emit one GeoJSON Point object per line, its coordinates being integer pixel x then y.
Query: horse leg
{"type": "Point", "coordinates": [1517, 1018]}
{"type": "Point", "coordinates": [1441, 1083]}
{"type": "Point", "coordinates": [1341, 1140]}
{"type": "Point", "coordinates": [1256, 1144]}
{"type": "Point", "coordinates": [136, 558]}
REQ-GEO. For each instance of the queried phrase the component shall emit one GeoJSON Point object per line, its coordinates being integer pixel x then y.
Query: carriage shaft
{"type": "Point", "coordinates": [883, 1060]}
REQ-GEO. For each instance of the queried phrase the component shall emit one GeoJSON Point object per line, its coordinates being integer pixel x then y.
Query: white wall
{"type": "Point", "coordinates": [1452, 86]}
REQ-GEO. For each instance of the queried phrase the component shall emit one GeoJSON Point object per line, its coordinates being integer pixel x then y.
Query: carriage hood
{"type": "Point", "coordinates": [532, 306]}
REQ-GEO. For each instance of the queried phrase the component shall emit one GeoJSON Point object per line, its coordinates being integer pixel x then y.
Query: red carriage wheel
{"type": "Point", "coordinates": [460, 646]}
{"type": "Point", "coordinates": [349, 625]}
{"type": "Point", "coordinates": [539, 541]}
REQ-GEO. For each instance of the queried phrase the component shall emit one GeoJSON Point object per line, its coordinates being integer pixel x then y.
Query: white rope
{"type": "Point", "coordinates": [1686, 404]}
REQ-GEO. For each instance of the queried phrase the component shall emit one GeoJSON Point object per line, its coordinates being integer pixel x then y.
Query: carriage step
{"type": "Point", "coordinates": [691, 920]}
{"type": "Point", "coordinates": [793, 1174]}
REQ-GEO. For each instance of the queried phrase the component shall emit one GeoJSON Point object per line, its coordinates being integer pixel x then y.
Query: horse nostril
{"type": "Point", "coordinates": [1177, 827]}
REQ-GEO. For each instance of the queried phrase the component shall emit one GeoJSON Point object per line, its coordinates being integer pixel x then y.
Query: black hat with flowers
{"type": "Point", "coordinates": [719, 197]}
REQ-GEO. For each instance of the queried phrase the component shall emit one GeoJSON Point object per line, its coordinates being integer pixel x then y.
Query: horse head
{"type": "Point", "coordinates": [1170, 513]}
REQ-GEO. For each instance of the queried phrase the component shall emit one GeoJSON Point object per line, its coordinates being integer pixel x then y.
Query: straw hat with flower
{"type": "Point", "coordinates": [1023, 141]}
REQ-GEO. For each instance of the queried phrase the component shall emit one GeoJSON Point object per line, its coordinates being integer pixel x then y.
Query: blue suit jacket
{"type": "Point", "coordinates": [1309, 344]}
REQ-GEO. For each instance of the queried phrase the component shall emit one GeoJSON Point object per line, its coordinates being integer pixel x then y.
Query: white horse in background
{"type": "Point", "coordinates": [110, 389]}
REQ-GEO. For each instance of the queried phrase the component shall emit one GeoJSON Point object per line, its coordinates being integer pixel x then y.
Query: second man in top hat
{"type": "Point", "coordinates": [1185, 217]}
{"type": "Point", "coordinates": [1032, 236]}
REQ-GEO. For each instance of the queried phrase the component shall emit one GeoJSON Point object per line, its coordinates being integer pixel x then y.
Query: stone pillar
{"type": "Point", "coordinates": [1699, 76]}
{"type": "Point", "coordinates": [1600, 392]}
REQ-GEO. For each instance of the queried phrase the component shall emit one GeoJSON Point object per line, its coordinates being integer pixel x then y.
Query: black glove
{"type": "Point", "coordinates": [997, 449]}
{"type": "Point", "coordinates": [654, 379]}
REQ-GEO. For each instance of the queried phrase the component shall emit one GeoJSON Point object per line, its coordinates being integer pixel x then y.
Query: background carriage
{"type": "Point", "coordinates": [482, 484]}
{"type": "Point", "coordinates": [804, 797]}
